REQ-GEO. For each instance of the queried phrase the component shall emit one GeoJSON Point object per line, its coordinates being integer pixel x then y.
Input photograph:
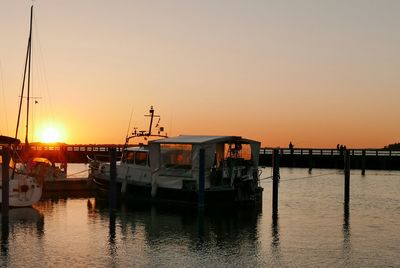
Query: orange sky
{"type": "Point", "coordinates": [316, 73]}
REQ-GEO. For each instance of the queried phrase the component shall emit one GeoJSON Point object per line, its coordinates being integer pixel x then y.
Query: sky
{"type": "Point", "coordinates": [316, 73]}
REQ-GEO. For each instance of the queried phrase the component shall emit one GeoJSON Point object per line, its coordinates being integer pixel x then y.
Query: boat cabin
{"type": "Point", "coordinates": [228, 160]}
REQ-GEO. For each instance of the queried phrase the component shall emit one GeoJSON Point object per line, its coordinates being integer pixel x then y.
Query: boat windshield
{"type": "Point", "coordinates": [238, 150]}
{"type": "Point", "coordinates": [141, 158]}
{"type": "Point", "coordinates": [138, 158]}
{"type": "Point", "coordinates": [176, 156]}
{"type": "Point", "coordinates": [128, 157]}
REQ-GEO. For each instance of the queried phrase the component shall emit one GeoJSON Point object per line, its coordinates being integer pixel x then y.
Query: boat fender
{"type": "Point", "coordinates": [154, 184]}
{"type": "Point", "coordinates": [123, 186]}
{"type": "Point", "coordinates": [154, 188]}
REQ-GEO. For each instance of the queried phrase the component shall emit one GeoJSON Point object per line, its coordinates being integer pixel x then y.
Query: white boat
{"type": "Point", "coordinates": [24, 189]}
{"type": "Point", "coordinates": [168, 170]}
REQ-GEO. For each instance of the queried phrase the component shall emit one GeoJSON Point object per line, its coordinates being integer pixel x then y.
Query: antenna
{"type": "Point", "coordinates": [129, 126]}
{"type": "Point", "coordinates": [152, 115]}
{"type": "Point", "coordinates": [144, 133]}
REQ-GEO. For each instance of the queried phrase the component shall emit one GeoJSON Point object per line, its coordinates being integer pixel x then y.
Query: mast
{"type": "Point", "coordinates": [152, 115]}
{"type": "Point", "coordinates": [151, 120]}
{"type": "Point", "coordinates": [27, 71]}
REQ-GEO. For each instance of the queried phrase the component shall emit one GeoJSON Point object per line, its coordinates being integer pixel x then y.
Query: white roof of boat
{"type": "Point", "coordinates": [137, 148]}
{"type": "Point", "coordinates": [193, 139]}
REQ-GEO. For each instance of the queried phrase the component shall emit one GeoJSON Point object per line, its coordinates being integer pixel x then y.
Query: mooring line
{"type": "Point", "coordinates": [309, 177]}
{"type": "Point", "coordinates": [69, 175]}
{"type": "Point", "coordinates": [301, 178]}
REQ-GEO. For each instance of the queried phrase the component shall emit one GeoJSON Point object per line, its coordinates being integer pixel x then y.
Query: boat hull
{"type": "Point", "coordinates": [24, 191]}
{"type": "Point", "coordinates": [143, 193]}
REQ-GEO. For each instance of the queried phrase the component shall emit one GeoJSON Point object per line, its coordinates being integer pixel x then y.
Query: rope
{"type": "Point", "coordinates": [301, 178]}
{"type": "Point", "coordinates": [69, 175]}
{"type": "Point", "coordinates": [310, 177]}
{"type": "Point", "coordinates": [266, 178]}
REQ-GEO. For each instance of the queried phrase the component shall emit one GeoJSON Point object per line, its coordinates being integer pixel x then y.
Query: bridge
{"type": "Point", "coordinates": [299, 157]}
{"type": "Point", "coordinates": [379, 159]}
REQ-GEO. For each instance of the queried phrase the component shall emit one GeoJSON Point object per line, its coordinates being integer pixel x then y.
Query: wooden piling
{"type": "Point", "coordinates": [275, 182]}
{"type": "Point", "coordinates": [310, 161]}
{"type": "Point", "coordinates": [113, 179]}
{"type": "Point", "coordinates": [346, 176]}
{"type": "Point", "coordinates": [363, 163]}
{"type": "Point", "coordinates": [200, 200]}
{"type": "Point", "coordinates": [5, 181]}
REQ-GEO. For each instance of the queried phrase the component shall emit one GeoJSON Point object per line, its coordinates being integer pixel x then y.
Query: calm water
{"type": "Point", "coordinates": [313, 229]}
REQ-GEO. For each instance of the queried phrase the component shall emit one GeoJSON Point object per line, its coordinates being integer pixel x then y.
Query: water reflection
{"type": "Point", "coordinates": [347, 249]}
{"type": "Point", "coordinates": [191, 228]}
{"type": "Point", "coordinates": [275, 240]}
{"type": "Point", "coordinates": [20, 218]}
{"type": "Point", "coordinates": [112, 234]}
{"type": "Point", "coordinates": [4, 236]}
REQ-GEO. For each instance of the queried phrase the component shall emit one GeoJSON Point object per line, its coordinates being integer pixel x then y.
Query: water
{"type": "Point", "coordinates": [313, 229]}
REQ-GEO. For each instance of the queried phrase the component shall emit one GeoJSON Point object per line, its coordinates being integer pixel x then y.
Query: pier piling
{"type": "Point", "coordinates": [275, 182]}
{"type": "Point", "coordinates": [200, 200]}
{"type": "Point", "coordinates": [113, 179]}
{"type": "Point", "coordinates": [363, 163]}
{"type": "Point", "coordinates": [310, 161]}
{"type": "Point", "coordinates": [5, 181]}
{"type": "Point", "coordinates": [346, 177]}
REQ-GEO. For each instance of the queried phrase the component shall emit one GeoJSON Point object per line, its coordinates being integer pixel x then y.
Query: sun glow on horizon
{"type": "Point", "coordinates": [51, 133]}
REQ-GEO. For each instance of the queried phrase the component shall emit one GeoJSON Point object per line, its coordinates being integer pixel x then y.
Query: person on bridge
{"type": "Point", "coordinates": [291, 147]}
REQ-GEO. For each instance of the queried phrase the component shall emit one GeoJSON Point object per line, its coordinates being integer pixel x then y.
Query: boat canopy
{"type": "Point", "coordinates": [177, 158]}
{"type": "Point", "coordinates": [8, 140]}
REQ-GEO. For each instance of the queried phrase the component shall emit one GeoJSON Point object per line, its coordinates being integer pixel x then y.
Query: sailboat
{"type": "Point", "coordinates": [25, 188]}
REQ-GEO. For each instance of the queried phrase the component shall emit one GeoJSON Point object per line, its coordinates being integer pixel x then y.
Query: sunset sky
{"type": "Point", "coordinates": [316, 73]}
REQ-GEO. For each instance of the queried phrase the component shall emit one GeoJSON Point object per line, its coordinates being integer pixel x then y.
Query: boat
{"type": "Point", "coordinates": [25, 188]}
{"type": "Point", "coordinates": [170, 170]}
{"type": "Point", "coordinates": [50, 171]}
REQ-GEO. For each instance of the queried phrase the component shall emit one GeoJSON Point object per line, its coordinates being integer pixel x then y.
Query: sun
{"type": "Point", "coordinates": [51, 134]}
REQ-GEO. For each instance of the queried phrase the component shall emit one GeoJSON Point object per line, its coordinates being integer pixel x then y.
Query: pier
{"type": "Point", "coordinates": [379, 159]}
{"type": "Point", "coordinates": [374, 159]}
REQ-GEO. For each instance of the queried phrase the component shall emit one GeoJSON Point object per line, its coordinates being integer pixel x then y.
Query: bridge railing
{"type": "Point", "coordinates": [354, 152]}
{"type": "Point", "coordinates": [104, 148]}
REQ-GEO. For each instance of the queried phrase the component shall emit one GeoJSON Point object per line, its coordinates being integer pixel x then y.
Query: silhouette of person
{"type": "Point", "coordinates": [291, 147]}
{"type": "Point", "coordinates": [341, 148]}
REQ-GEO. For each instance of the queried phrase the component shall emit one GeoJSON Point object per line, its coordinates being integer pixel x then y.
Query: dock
{"type": "Point", "coordinates": [67, 185]}
{"type": "Point", "coordinates": [374, 159]}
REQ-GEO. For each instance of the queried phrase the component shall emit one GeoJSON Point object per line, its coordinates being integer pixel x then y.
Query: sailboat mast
{"type": "Point", "coordinates": [27, 66]}
{"type": "Point", "coordinates": [28, 53]}
{"type": "Point", "coordinates": [29, 79]}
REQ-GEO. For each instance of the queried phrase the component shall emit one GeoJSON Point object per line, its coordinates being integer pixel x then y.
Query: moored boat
{"type": "Point", "coordinates": [168, 171]}
{"type": "Point", "coordinates": [24, 189]}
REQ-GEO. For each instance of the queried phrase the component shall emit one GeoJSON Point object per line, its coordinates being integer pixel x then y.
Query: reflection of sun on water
{"type": "Point", "coordinates": [51, 134]}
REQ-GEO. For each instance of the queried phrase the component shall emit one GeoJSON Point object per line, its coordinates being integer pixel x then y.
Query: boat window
{"type": "Point", "coordinates": [141, 158]}
{"type": "Point", "coordinates": [176, 156]}
{"type": "Point", "coordinates": [128, 157]}
{"type": "Point", "coordinates": [238, 150]}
